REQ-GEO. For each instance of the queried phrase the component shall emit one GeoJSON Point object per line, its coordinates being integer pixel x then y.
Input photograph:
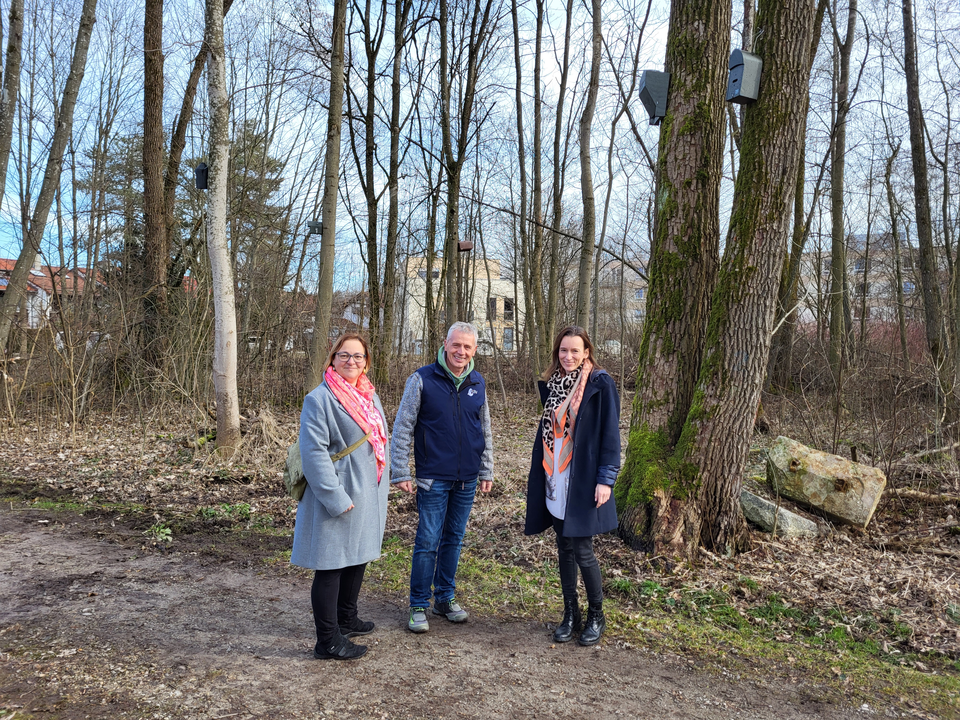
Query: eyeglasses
{"type": "Point", "coordinates": [345, 357]}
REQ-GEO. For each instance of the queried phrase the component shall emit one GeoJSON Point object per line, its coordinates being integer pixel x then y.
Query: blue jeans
{"type": "Point", "coordinates": [444, 510]}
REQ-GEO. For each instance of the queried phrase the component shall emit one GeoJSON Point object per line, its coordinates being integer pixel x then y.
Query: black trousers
{"type": "Point", "coordinates": [334, 599]}
{"type": "Point", "coordinates": [574, 552]}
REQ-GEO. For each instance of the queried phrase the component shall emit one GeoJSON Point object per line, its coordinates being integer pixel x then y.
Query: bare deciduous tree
{"type": "Point", "coordinates": [225, 332]}
{"type": "Point", "coordinates": [321, 322]}
{"type": "Point", "coordinates": [51, 178]}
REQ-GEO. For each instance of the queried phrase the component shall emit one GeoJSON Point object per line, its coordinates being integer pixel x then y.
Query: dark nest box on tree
{"type": "Point", "coordinates": [464, 246]}
{"type": "Point", "coordinates": [654, 86]}
{"type": "Point", "coordinates": [200, 175]}
{"type": "Point", "coordinates": [316, 227]}
{"type": "Point", "coordinates": [744, 84]}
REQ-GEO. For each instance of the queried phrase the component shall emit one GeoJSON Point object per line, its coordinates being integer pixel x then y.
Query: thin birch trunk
{"type": "Point", "coordinates": [222, 284]}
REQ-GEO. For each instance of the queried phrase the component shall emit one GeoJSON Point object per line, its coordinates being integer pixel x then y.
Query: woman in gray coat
{"type": "Point", "coordinates": [341, 517]}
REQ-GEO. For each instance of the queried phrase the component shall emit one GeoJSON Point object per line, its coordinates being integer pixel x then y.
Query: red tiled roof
{"type": "Point", "coordinates": [70, 281]}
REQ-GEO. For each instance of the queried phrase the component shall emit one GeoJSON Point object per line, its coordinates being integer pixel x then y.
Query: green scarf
{"type": "Point", "coordinates": [442, 359]}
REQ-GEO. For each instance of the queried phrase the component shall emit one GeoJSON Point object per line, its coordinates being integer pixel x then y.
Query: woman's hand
{"type": "Point", "coordinates": [601, 494]}
{"type": "Point", "coordinates": [406, 486]}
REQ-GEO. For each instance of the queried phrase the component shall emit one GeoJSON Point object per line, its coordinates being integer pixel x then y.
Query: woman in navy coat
{"type": "Point", "coordinates": [576, 458]}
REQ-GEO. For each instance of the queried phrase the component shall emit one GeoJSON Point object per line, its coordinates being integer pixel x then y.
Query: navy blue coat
{"type": "Point", "coordinates": [596, 459]}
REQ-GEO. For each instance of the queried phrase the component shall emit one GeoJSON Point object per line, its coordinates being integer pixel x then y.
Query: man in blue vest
{"type": "Point", "coordinates": [444, 420]}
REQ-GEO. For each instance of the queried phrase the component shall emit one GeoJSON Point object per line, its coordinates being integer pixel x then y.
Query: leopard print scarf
{"type": "Point", "coordinates": [559, 418]}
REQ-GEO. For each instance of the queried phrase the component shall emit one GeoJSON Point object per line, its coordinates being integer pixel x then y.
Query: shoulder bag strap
{"type": "Point", "coordinates": [343, 453]}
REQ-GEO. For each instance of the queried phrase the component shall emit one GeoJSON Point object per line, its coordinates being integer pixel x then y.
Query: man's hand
{"type": "Point", "coordinates": [406, 486]}
{"type": "Point", "coordinates": [602, 494]}
{"type": "Point", "coordinates": [486, 485]}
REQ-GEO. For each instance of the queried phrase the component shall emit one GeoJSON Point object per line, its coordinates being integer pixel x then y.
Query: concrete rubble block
{"type": "Point", "coordinates": [776, 520]}
{"type": "Point", "coordinates": [843, 490]}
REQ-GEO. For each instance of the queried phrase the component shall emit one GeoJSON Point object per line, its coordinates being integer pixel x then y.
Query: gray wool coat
{"type": "Point", "coordinates": [326, 535]}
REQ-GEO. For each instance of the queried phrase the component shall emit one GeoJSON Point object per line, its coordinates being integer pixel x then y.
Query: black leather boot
{"type": "Point", "coordinates": [570, 623]}
{"type": "Point", "coordinates": [595, 626]}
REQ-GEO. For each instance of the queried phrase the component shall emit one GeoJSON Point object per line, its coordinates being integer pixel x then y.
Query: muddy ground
{"type": "Point", "coordinates": [95, 624]}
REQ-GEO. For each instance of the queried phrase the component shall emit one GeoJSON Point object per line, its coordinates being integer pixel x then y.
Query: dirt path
{"type": "Point", "coordinates": [93, 627]}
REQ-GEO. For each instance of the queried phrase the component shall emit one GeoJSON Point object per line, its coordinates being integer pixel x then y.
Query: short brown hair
{"type": "Point", "coordinates": [338, 345]}
{"type": "Point", "coordinates": [569, 331]}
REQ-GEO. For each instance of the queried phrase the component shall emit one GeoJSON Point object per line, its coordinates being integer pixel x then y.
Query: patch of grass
{"type": "Point", "coordinates": [159, 533]}
{"type": "Point", "coordinates": [624, 586]}
{"type": "Point", "coordinates": [391, 572]}
{"type": "Point", "coordinates": [774, 609]}
{"type": "Point", "coordinates": [953, 612]}
{"type": "Point", "coordinates": [238, 512]}
{"type": "Point", "coordinates": [652, 588]}
{"type": "Point", "coordinates": [263, 522]}
{"type": "Point", "coordinates": [748, 583]}
{"type": "Point", "coordinates": [278, 558]}
{"type": "Point", "coordinates": [57, 505]}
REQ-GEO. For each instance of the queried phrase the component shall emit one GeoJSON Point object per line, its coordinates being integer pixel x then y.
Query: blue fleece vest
{"type": "Point", "coordinates": [448, 438]}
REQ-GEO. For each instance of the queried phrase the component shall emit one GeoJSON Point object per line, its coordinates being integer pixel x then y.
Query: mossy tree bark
{"type": "Point", "coordinates": [716, 436]}
{"type": "Point", "coordinates": [652, 501]}
{"type": "Point", "coordinates": [694, 496]}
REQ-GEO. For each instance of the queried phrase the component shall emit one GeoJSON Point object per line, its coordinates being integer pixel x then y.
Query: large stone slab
{"type": "Point", "coordinates": [845, 491]}
{"type": "Point", "coordinates": [774, 519]}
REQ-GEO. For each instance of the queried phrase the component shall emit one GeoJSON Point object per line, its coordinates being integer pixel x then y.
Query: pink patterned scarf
{"type": "Point", "coordinates": [358, 402]}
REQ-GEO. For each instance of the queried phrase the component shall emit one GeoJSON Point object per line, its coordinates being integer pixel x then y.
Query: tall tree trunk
{"type": "Point", "coordinates": [717, 432]}
{"type": "Point", "coordinates": [321, 322]}
{"type": "Point", "coordinates": [531, 287]}
{"type": "Point", "coordinates": [222, 284]}
{"type": "Point", "coordinates": [385, 340]}
{"type": "Point", "coordinates": [839, 339]}
{"type": "Point", "coordinates": [586, 177]}
{"type": "Point", "coordinates": [11, 85]}
{"type": "Point", "coordinates": [481, 27]}
{"type": "Point", "coordinates": [51, 178]}
{"type": "Point", "coordinates": [553, 288]}
{"type": "Point", "coordinates": [373, 27]}
{"type": "Point", "coordinates": [683, 265]}
{"type": "Point", "coordinates": [697, 497]}
{"type": "Point", "coordinates": [541, 335]}
{"type": "Point", "coordinates": [930, 287]}
{"type": "Point", "coordinates": [780, 364]}
{"type": "Point", "coordinates": [894, 211]}
{"type": "Point", "coordinates": [156, 249]}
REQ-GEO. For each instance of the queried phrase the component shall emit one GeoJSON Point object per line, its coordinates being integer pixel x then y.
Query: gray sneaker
{"type": "Point", "coordinates": [418, 620]}
{"type": "Point", "coordinates": [451, 611]}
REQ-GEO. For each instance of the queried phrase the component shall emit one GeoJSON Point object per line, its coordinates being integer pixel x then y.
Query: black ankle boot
{"type": "Point", "coordinates": [595, 626]}
{"type": "Point", "coordinates": [570, 623]}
